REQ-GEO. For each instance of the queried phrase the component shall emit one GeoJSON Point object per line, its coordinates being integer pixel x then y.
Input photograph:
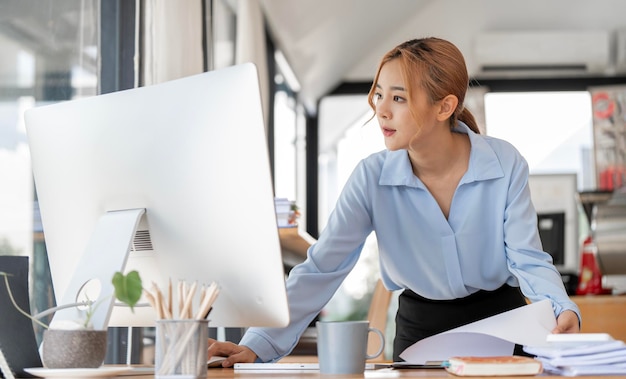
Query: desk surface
{"type": "Point", "coordinates": [382, 373]}
{"type": "Point", "coordinates": [603, 314]}
{"type": "Point", "coordinates": [600, 314]}
{"type": "Point", "coordinates": [228, 373]}
{"type": "Point", "coordinates": [220, 373]}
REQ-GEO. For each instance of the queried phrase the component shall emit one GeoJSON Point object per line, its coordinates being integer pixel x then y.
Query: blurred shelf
{"type": "Point", "coordinates": [294, 244]}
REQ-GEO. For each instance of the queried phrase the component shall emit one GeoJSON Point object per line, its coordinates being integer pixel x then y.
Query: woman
{"type": "Point", "coordinates": [451, 210]}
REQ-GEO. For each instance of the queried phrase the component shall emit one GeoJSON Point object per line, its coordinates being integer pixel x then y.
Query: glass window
{"type": "Point", "coordinates": [347, 134]}
{"type": "Point", "coordinates": [552, 130]}
{"type": "Point", "coordinates": [289, 138]}
{"type": "Point", "coordinates": [49, 54]}
{"type": "Point", "coordinates": [224, 23]}
{"type": "Point", "coordinates": [285, 139]}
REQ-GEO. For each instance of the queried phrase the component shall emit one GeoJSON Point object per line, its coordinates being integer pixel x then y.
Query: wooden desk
{"type": "Point", "coordinates": [382, 373]}
{"type": "Point", "coordinates": [603, 314]}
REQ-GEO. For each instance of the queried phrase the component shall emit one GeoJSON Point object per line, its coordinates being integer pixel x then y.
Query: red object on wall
{"type": "Point", "coordinates": [612, 177]}
{"type": "Point", "coordinates": [589, 275]}
{"type": "Point", "coordinates": [603, 105]}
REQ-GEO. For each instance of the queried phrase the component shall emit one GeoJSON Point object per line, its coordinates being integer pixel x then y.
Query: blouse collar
{"type": "Point", "coordinates": [483, 165]}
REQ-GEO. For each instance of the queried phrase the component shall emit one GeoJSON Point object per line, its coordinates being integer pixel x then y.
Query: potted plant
{"type": "Point", "coordinates": [79, 345]}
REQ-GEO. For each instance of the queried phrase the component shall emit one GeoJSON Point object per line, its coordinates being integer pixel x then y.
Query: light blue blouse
{"type": "Point", "coordinates": [490, 238]}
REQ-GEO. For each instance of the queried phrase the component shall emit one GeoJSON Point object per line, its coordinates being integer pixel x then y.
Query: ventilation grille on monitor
{"type": "Point", "coordinates": [142, 241]}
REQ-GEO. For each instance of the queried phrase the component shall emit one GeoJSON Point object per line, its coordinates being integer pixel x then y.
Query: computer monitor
{"type": "Point", "coordinates": [178, 173]}
{"type": "Point", "coordinates": [554, 197]}
{"type": "Point", "coordinates": [551, 227]}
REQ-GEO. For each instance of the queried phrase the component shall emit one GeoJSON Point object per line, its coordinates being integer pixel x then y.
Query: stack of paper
{"type": "Point", "coordinates": [582, 355]}
{"type": "Point", "coordinates": [286, 212]}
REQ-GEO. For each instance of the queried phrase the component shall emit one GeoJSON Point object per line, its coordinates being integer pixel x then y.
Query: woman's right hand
{"type": "Point", "coordinates": [232, 352]}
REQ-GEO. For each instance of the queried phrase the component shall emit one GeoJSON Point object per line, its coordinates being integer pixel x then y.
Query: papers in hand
{"type": "Point", "coordinates": [493, 336]}
{"type": "Point", "coordinates": [581, 354]}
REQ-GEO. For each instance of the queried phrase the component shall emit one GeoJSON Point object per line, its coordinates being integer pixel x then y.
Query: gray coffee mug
{"type": "Point", "coordinates": [342, 346]}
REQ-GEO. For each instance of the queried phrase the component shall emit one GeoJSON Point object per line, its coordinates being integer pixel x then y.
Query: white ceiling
{"type": "Point", "coordinates": [328, 42]}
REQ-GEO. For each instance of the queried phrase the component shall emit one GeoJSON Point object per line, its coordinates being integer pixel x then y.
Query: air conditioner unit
{"type": "Point", "coordinates": [542, 53]}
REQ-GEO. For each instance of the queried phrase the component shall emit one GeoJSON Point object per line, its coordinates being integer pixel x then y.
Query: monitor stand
{"type": "Point", "coordinates": [105, 254]}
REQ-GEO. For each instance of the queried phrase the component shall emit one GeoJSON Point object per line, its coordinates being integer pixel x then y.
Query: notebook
{"type": "Point", "coordinates": [276, 366]}
{"type": "Point", "coordinates": [263, 367]}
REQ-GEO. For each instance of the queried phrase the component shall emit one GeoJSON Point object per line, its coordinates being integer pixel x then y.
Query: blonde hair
{"type": "Point", "coordinates": [438, 67]}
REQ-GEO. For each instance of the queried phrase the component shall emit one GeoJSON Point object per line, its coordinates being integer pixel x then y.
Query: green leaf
{"type": "Point", "coordinates": [128, 288]}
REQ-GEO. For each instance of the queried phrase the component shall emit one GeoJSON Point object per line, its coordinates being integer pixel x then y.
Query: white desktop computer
{"type": "Point", "coordinates": [172, 180]}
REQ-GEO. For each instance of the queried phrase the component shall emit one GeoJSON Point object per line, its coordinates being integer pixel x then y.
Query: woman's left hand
{"type": "Point", "coordinates": [567, 322]}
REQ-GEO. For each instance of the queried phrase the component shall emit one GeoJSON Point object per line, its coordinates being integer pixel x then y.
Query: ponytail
{"type": "Point", "coordinates": [468, 118]}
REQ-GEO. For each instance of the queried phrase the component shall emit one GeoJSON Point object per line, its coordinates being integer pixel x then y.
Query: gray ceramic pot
{"type": "Point", "coordinates": [74, 348]}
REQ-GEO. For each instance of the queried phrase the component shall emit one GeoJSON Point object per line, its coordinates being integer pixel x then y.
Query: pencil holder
{"type": "Point", "coordinates": [181, 349]}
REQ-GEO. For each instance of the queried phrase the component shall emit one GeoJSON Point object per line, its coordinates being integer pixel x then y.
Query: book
{"type": "Point", "coordinates": [493, 366]}
{"type": "Point", "coordinates": [282, 205]}
{"type": "Point", "coordinates": [286, 212]}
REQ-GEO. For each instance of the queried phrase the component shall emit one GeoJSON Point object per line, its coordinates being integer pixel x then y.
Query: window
{"type": "Point", "coordinates": [49, 54]}
{"type": "Point", "coordinates": [552, 130]}
{"type": "Point", "coordinates": [347, 135]}
{"type": "Point", "coordinates": [289, 137]}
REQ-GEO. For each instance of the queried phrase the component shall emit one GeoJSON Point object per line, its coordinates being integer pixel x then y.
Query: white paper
{"type": "Point", "coordinates": [609, 357]}
{"type": "Point", "coordinates": [569, 350]}
{"type": "Point", "coordinates": [496, 335]}
{"type": "Point", "coordinates": [584, 358]}
{"type": "Point", "coordinates": [615, 369]}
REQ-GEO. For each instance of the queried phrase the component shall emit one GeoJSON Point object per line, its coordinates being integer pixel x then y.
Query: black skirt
{"type": "Point", "coordinates": [418, 317]}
